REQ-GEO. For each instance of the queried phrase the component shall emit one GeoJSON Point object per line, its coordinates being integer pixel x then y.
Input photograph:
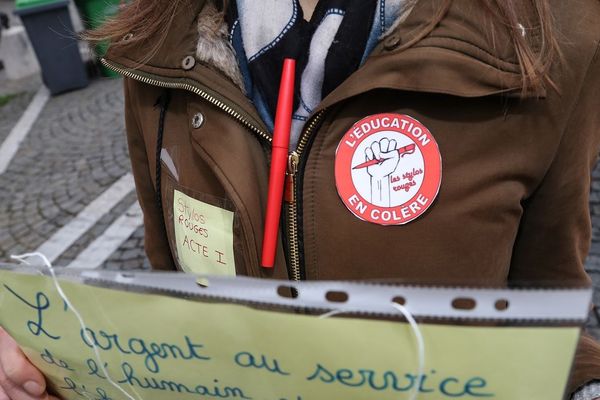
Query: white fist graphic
{"type": "Point", "coordinates": [387, 151]}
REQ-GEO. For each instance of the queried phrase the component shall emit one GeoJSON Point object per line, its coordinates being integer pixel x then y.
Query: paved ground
{"type": "Point", "coordinates": [74, 152]}
{"type": "Point", "coordinates": [11, 111]}
{"type": "Point", "coordinates": [593, 261]}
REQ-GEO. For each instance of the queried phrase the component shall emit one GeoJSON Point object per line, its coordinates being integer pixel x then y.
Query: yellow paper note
{"type": "Point", "coordinates": [203, 235]}
{"type": "Point", "coordinates": [163, 348]}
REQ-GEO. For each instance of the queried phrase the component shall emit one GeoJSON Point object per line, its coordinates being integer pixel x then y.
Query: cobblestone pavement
{"type": "Point", "coordinates": [75, 151]}
{"type": "Point", "coordinates": [10, 113]}
{"type": "Point", "coordinates": [18, 94]}
{"type": "Point", "coordinates": [593, 261]}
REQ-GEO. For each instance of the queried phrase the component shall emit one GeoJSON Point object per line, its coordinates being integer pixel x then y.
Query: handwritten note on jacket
{"type": "Point", "coordinates": [203, 236]}
{"type": "Point", "coordinates": [157, 347]}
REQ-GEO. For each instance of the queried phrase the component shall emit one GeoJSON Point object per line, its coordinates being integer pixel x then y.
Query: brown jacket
{"type": "Point", "coordinates": [513, 201]}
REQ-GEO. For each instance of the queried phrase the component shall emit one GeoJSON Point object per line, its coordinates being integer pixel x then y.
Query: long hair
{"type": "Point", "coordinates": [153, 18]}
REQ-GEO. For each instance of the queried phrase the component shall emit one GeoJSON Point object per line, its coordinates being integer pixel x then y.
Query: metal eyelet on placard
{"type": "Point", "coordinates": [188, 62]}
{"type": "Point", "coordinates": [197, 120]}
{"type": "Point", "coordinates": [393, 41]}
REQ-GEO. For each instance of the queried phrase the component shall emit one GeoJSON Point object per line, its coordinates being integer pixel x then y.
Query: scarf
{"type": "Point", "coordinates": [330, 47]}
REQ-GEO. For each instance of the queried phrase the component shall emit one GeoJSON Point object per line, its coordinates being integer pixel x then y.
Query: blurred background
{"type": "Point", "coordinates": [64, 169]}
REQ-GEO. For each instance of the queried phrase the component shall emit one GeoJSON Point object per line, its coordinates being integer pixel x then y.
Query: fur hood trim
{"type": "Point", "coordinates": [213, 46]}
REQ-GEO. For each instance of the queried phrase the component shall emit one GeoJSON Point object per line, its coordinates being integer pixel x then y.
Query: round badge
{"type": "Point", "coordinates": [388, 169]}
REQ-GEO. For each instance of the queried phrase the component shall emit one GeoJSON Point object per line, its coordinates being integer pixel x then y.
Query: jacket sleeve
{"type": "Point", "coordinates": [155, 238]}
{"type": "Point", "coordinates": [555, 231]}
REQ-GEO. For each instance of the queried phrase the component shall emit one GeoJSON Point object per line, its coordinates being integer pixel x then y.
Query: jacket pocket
{"type": "Point", "coordinates": [204, 231]}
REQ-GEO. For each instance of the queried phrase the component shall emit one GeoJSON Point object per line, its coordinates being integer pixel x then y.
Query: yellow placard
{"type": "Point", "coordinates": [164, 348]}
{"type": "Point", "coordinates": [203, 236]}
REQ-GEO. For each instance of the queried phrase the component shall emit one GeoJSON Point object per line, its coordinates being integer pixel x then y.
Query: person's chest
{"type": "Point", "coordinates": [448, 211]}
{"type": "Point", "coordinates": [453, 205]}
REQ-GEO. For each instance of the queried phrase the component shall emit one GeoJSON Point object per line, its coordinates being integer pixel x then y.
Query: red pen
{"type": "Point", "coordinates": [279, 157]}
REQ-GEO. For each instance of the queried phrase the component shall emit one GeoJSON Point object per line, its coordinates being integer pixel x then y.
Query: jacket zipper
{"type": "Point", "coordinates": [291, 189]}
{"type": "Point", "coordinates": [146, 78]}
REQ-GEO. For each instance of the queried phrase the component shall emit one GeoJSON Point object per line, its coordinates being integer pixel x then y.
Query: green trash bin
{"type": "Point", "coordinates": [94, 13]}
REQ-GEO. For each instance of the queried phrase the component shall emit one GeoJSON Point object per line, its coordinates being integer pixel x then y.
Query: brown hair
{"type": "Point", "coordinates": [139, 20]}
{"type": "Point", "coordinates": [148, 18]}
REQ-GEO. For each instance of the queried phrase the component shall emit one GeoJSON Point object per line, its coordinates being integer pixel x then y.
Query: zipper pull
{"type": "Point", "coordinates": [289, 194]}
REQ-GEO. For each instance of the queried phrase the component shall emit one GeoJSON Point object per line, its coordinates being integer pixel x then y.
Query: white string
{"type": "Point", "coordinates": [416, 332]}
{"type": "Point", "coordinates": [420, 345]}
{"type": "Point", "coordinates": [82, 324]}
{"type": "Point", "coordinates": [332, 313]}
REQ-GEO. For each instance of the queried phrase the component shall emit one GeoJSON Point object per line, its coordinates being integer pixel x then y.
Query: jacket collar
{"type": "Point", "coordinates": [462, 56]}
